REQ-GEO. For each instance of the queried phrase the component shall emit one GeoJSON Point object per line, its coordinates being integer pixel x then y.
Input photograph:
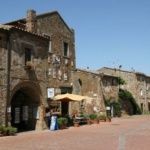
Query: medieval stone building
{"type": "Point", "coordinates": [103, 85]}
{"type": "Point", "coordinates": [137, 83]}
{"type": "Point", "coordinates": [37, 56]}
{"type": "Point", "coordinates": [100, 86]}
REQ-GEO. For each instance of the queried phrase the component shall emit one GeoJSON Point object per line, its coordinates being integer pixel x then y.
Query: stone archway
{"type": "Point", "coordinates": [24, 102]}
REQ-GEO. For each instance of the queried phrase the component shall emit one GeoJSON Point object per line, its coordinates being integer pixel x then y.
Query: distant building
{"type": "Point", "coordinates": [103, 85]}
{"type": "Point", "coordinates": [100, 86]}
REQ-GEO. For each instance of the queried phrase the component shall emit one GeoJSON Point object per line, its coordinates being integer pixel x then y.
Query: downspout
{"type": "Point", "coordinates": [8, 76]}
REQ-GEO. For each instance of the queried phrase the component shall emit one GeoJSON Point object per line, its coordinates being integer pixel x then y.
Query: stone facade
{"type": "Point", "coordinates": [37, 54]}
{"type": "Point", "coordinates": [136, 83]}
{"type": "Point", "coordinates": [103, 85]}
{"type": "Point", "coordinates": [100, 86]}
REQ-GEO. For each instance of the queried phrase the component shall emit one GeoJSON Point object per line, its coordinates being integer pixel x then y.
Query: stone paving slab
{"type": "Point", "coordinates": [127, 133]}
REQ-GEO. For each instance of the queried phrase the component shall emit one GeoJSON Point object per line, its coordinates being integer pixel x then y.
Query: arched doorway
{"type": "Point", "coordinates": [24, 109]}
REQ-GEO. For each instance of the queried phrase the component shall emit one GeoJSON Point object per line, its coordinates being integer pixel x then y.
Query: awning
{"type": "Point", "coordinates": [70, 97]}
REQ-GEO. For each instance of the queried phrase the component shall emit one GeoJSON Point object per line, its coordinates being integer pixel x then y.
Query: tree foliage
{"type": "Point", "coordinates": [126, 95]}
{"type": "Point", "coordinates": [121, 81]}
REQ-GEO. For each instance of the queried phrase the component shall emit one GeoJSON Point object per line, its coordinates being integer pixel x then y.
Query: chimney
{"type": "Point", "coordinates": [31, 21]}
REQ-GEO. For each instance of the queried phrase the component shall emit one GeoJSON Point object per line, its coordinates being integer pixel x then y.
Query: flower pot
{"type": "Point", "coordinates": [108, 119]}
{"type": "Point", "coordinates": [96, 121]}
{"type": "Point", "coordinates": [62, 127]}
{"type": "Point", "coordinates": [1, 133]}
{"type": "Point", "coordinates": [88, 122]}
{"type": "Point", "coordinates": [76, 124]}
{"type": "Point", "coordinates": [102, 120]}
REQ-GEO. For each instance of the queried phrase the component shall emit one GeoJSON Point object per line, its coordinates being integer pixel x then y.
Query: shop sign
{"type": "Point", "coordinates": [50, 92]}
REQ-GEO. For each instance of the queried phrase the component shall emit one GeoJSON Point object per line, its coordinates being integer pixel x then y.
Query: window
{"type": "Point", "coordinates": [27, 55]}
{"type": "Point", "coordinates": [50, 47]}
{"type": "Point", "coordinates": [141, 92]}
{"type": "Point", "coordinates": [66, 49]}
{"type": "Point", "coordinates": [0, 41]}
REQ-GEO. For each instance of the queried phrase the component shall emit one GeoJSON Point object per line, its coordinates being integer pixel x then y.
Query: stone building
{"type": "Point", "coordinates": [137, 83]}
{"type": "Point", "coordinates": [103, 85]}
{"type": "Point", "coordinates": [100, 86]}
{"type": "Point", "coordinates": [37, 56]}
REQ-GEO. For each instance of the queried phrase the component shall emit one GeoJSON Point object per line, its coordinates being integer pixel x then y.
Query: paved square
{"type": "Point", "coordinates": [127, 133]}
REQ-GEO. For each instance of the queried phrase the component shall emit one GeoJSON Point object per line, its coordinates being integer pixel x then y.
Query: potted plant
{"type": "Point", "coordinates": [102, 118]}
{"type": "Point", "coordinates": [12, 130]}
{"type": "Point", "coordinates": [1, 130]}
{"type": "Point", "coordinates": [5, 131]}
{"type": "Point", "coordinates": [88, 120]}
{"type": "Point", "coordinates": [76, 122]}
{"type": "Point", "coordinates": [62, 122]}
{"type": "Point", "coordinates": [108, 119]}
{"type": "Point", "coordinates": [94, 118]}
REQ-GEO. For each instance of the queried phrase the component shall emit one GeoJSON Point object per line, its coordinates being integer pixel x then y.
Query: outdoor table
{"type": "Point", "coordinates": [81, 119]}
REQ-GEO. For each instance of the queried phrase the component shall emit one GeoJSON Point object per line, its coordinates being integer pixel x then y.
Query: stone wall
{"type": "Point", "coordinates": [53, 26]}
{"type": "Point", "coordinates": [136, 83]}
{"type": "Point", "coordinates": [90, 86]}
{"type": "Point", "coordinates": [3, 76]}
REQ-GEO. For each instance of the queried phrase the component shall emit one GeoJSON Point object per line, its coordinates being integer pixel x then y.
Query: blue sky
{"type": "Point", "coordinates": [108, 33]}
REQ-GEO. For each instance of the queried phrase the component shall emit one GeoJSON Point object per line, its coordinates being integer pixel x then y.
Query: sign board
{"type": "Point", "coordinates": [35, 113]}
{"type": "Point", "coordinates": [50, 92]}
{"type": "Point", "coordinates": [25, 113]}
{"type": "Point", "coordinates": [9, 109]}
{"type": "Point", "coordinates": [107, 108]}
{"type": "Point", "coordinates": [17, 115]}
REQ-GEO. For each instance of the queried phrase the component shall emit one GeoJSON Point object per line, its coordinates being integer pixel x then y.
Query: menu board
{"type": "Point", "coordinates": [17, 115]}
{"type": "Point", "coordinates": [25, 113]}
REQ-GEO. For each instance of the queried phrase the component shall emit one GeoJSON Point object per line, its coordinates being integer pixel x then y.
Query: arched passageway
{"type": "Point", "coordinates": [24, 109]}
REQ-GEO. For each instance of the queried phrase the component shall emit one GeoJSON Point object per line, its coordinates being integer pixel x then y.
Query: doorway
{"type": "Point", "coordinates": [64, 108]}
{"type": "Point", "coordinates": [22, 112]}
{"type": "Point", "coordinates": [142, 107]}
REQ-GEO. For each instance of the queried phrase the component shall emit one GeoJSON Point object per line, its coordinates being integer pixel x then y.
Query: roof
{"type": "Point", "coordinates": [9, 27]}
{"type": "Point", "coordinates": [38, 16]}
{"type": "Point", "coordinates": [88, 71]}
{"type": "Point", "coordinates": [138, 73]}
{"type": "Point", "coordinates": [96, 72]}
{"type": "Point", "coordinates": [5, 27]}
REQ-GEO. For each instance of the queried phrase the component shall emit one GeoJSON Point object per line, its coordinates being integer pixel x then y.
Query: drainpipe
{"type": "Point", "coordinates": [8, 77]}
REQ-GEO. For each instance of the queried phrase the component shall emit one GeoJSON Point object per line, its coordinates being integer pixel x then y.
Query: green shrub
{"type": "Point", "coordinates": [1, 128]}
{"type": "Point", "coordinates": [117, 108]}
{"type": "Point", "coordinates": [126, 95]}
{"type": "Point", "coordinates": [93, 116]}
{"type": "Point", "coordinates": [75, 120]}
{"type": "Point", "coordinates": [121, 81]}
{"type": "Point", "coordinates": [102, 117]}
{"type": "Point", "coordinates": [87, 117]}
{"type": "Point", "coordinates": [12, 130]}
{"type": "Point", "coordinates": [62, 121]}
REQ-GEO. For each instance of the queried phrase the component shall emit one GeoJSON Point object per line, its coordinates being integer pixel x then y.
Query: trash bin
{"type": "Point", "coordinates": [54, 123]}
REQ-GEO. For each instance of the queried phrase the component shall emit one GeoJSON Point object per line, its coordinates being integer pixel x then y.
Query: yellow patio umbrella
{"type": "Point", "coordinates": [70, 97]}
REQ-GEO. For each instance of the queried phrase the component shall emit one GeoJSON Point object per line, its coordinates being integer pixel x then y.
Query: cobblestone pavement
{"type": "Point", "coordinates": [127, 133]}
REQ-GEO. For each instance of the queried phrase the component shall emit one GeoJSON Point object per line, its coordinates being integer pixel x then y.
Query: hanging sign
{"type": "Point", "coordinates": [50, 92]}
